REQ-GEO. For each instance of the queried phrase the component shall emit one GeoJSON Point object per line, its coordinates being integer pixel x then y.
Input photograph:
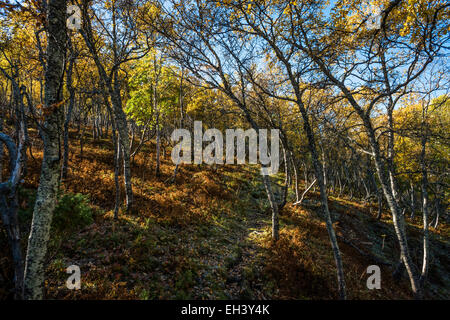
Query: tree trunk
{"type": "Point", "coordinates": [71, 90]}
{"type": "Point", "coordinates": [294, 166]}
{"type": "Point", "coordinates": [116, 173]}
{"type": "Point", "coordinates": [122, 128]}
{"type": "Point", "coordinates": [324, 200]}
{"type": "Point", "coordinates": [274, 207]}
{"type": "Point", "coordinates": [397, 217]}
{"type": "Point", "coordinates": [412, 200]}
{"type": "Point", "coordinates": [158, 146]}
{"type": "Point", "coordinates": [287, 180]}
{"type": "Point", "coordinates": [9, 202]}
{"type": "Point", "coordinates": [437, 206]}
{"type": "Point", "coordinates": [426, 249]}
{"type": "Point", "coordinates": [9, 206]}
{"type": "Point", "coordinates": [49, 180]}
{"type": "Point", "coordinates": [426, 254]}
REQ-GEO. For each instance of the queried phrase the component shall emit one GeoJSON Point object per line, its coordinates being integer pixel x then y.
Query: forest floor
{"type": "Point", "coordinates": [208, 236]}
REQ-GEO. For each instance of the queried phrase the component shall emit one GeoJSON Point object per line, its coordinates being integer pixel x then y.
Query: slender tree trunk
{"type": "Point", "coordinates": [305, 174]}
{"type": "Point", "coordinates": [116, 173]}
{"type": "Point", "coordinates": [397, 217]}
{"type": "Point", "coordinates": [324, 200]}
{"type": "Point", "coordinates": [438, 210]}
{"type": "Point", "coordinates": [426, 254]}
{"type": "Point", "coordinates": [71, 90]}
{"type": "Point", "coordinates": [324, 169]}
{"type": "Point", "coordinates": [132, 137]}
{"type": "Point", "coordinates": [294, 166]}
{"type": "Point", "coordinates": [181, 103]}
{"type": "Point", "coordinates": [158, 146]}
{"type": "Point", "coordinates": [426, 249]}
{"type": "Point", "coordinates": [390, 157]}
{"type": "Point", "coordinates": [287, 180]}
{"type": "Point", "coordinates": [412, 200]}
{"type": "Point", "coordinates": [50, 133]}
{"type": "Point", "coordinates": [122, 128]}
{"type": "Point", "coordinates": [274, 207]}
{"type": "Point", "coordinates": [9, 202]}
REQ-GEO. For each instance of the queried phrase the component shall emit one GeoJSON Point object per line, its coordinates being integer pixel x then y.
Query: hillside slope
{"type": "Point", "coordinates": [207, 236]}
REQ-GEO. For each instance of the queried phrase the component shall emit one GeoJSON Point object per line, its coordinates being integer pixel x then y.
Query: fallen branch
{"type": "Point", "coordinates": [304, 193]}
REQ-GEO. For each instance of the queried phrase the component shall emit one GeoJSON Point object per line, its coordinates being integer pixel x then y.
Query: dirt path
{"type": "Point", "coordinates": [235, 263]}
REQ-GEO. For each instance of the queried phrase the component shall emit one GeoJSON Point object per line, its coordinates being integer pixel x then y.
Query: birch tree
{"type": "Point", "coordinates": [407, 38]}
{"type": "Point", "coordinates": [50, 133]}
{"type": "Point", "coordinates": [113, 43]}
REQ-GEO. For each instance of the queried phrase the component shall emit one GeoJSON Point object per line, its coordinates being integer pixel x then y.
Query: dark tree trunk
{"type": "Point", "coordinates": [9, 203]}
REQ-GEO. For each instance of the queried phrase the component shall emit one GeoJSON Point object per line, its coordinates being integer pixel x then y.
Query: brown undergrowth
{"type": "Point", "coordinates": [207, 236]}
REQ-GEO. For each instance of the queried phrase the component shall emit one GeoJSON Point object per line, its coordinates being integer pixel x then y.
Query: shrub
{"type": "Point", "coordinates": [72, 212]}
